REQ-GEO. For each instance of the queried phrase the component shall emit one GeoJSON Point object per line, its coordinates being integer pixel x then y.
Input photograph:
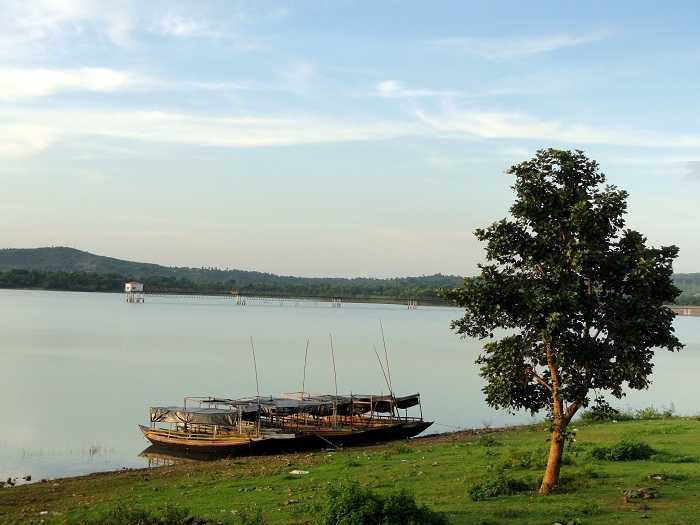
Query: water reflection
{"type": "Point", "coordinates": [163, 457]}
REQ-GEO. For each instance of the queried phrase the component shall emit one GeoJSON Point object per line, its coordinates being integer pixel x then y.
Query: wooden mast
{"type": "Point", "coordinates": [257, 383]}
{"type": "Point", "coordinates": [303, 382]}
{"type": "Point", "coordinates": [388, 371]}
{"type": "Point", "coordinates": [335, 382]}
{"type": "Point", "coordinates": [386, 379]}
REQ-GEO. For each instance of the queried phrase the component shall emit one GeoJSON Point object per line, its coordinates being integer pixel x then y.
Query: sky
{"type": "Point", "coordinates": [338, 138]}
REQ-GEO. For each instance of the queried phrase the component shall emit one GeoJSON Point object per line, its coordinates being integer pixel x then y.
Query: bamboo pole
{"type": "Point", "coordinates": [335, 381]}
{"type": "Point", "coordinates": [388, 371]}
{"type": "Point", "coordinates": [257, 383]}
{"type": "Point", "coordinates": [303, 382]}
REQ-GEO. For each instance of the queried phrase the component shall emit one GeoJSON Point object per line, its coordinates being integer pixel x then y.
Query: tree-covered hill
{"type": "Point", "coordinates": [62, 268]}
{"type": "Point", "coordinates": [689, 283]}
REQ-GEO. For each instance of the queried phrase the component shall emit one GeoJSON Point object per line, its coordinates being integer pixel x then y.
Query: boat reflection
{"type": "Point", "coordinates": [164, 457]}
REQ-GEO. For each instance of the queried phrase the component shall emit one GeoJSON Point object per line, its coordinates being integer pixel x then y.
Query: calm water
{"type": "Point", "coordinates": [78, 371]}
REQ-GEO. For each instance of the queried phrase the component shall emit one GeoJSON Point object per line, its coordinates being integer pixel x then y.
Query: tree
{"type": "Point", "coordinates": [580, 301]}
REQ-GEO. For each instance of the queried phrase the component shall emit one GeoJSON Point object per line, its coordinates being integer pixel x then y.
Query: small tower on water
{"type": "Point", "coordinates": [134, 292]}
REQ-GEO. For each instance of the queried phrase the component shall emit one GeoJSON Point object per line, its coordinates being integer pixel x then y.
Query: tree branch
{"type": "Point", "coordinates": [571, 409]}
{"type": "Point", "coordinates": [541, 381]}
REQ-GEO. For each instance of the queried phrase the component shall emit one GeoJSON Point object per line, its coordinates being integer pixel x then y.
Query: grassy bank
{"type": "Point", "coordinates": [447, 473]}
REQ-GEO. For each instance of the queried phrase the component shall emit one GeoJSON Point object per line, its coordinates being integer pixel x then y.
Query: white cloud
{"type": "Point", "coordinates": [505, 48]}
{"type": "Point", "coordinates": [40, 27]}
{"type": "Point", "coordinates": [23, 140]}
{"type": "Point", "coordinates": [32, 130]}
{"type": "Point", "coordinates": [181, 26]}
{"type": "Point", "coordinates": [40, 82]}
{"type": "Point", "coordinates": [44, 127]}
{"type": "Point", "coordinates": [30, 26]}
{"type": "Point", "coordinates": [472, 125]}
{"type": "Point", "coordinates": [693, 170]}
{"type": "Point", "coordinates": [299, 75]}
{"type": "Point", "coordinates": [394, 89]}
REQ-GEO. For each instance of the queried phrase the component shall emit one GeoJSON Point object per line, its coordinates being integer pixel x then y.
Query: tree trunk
{"type": "Point", "coordinates": [556, 451]}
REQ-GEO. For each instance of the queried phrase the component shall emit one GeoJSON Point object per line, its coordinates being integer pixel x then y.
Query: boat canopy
{"type": "Point", "coordinates": [197, 416]}
{"type": "Point", "coordinates": [317, 405]}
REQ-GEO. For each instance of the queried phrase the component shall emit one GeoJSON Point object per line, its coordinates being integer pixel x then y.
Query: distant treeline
{"type": "Point", "coordinates": [63, 268]}
{"type": "Point", "coordinates": [422, 288]}
{"type": "Point", "coordinates": [689, 283]}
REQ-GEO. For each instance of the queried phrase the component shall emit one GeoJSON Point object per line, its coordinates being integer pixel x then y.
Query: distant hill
{"type": "Point", "coordinates": [689, 283]}
{"type": "Point", "coordinates": [64, 260]}
{"type": "Point", "coordinates": [62, 268]}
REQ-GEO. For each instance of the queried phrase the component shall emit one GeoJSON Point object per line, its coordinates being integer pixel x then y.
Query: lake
{"type": "Point", "coordinates": [79, 370]}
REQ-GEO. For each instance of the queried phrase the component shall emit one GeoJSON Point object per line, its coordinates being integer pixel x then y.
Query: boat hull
{"type": "Point", "coordinates": [309, 439]}
{"type": "Point", "coordinates": [221, 446]}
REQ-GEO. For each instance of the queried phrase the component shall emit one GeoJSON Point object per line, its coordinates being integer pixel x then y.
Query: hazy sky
{"type": "Point", "coordinates": [333, 138]}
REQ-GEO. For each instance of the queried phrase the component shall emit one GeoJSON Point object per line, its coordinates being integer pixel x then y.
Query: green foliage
{"type": "Point", "coordinates": [350, 504]}
{"type": "Point", "coordinates": [674, 458]}
{"type": "Point", "coordinates": [487, 440]}
{"type": "Point", "coordinates": [524, 459]}
{"type": "Point", "coordinates": [581, 299]}
{"type": "Point", "coordinates": [574, 288]}
{"type": "Point", "coordinates": [651, 412]}
{"type": "Point", "coordinates": [60, 268]}
{"type": "Point", "coordinates": [439, 472]}
{"type": "Point", "coordinates": [498, 485]}
{"type": "Point", "coordinates": [252, 516]}
{"type": "Point", "coordinates": [689, 283]}
{"type": "Point", "coordinates": [623, 451]}
{"type": "Point", "coordinates": [602, 412]}
{"type": "Point", "coordinates": [121, 515]}
{"type": "Point", "coordinates": [397, 449]}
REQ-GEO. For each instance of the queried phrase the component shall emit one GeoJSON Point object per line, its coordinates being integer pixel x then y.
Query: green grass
{"type": "Point", "coordinates": [439, 471]}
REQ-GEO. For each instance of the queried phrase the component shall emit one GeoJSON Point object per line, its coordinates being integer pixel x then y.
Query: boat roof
{"type": "Point", "coordinates": [322, 403]}
{"type": "Point", "coordinates": [225, 411]}
{"type": "Point", "coordinates": [194, 415]}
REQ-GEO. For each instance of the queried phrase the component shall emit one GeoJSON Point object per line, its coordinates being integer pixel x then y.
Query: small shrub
{"type": "Point", "coordinates": [573, 481]}
{"type": "Point", "coordinates": [590, 473]}
{"type": "Point", "coordinates": [401, 449]}
{"type": "Point", "coordinates": [252, 516]}
{"type": "Point", "coordinates": [673, 458]}
{"type": "Point", "coordinates": [623, 451]}
{"type": "Point", "coordinates": [667, 476]}
{"type": "Point", "coordinates": [500, 485]}
{"type": "Point", "coordinates": [488, 440]}
{"type": "Point", "coordinates": [397, 450]}
{"type": "Point", "coordinates": [523, 459]}
{"type": "Point", "coordinates": [350, 504]}
{"type": "Point", "coordinates": [127, 516]}
{"type": "Point", "coordinates": [528, 459]}
{"type": "Point", "coordinates": [352, 462]}
{"type": "Point", "coordinates": [601, 411]}
{"type": "Point", "coordinates": [651, 412]}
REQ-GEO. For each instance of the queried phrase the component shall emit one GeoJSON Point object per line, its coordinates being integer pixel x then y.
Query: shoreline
{"type": "Point", "coordinates": [680, 310]}
{"type": "Point", "coordinates": [439, 469]}
{"type": "Point", "coordinates": [440, 437]}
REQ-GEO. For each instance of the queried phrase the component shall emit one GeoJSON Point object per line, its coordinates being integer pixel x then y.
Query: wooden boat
{"type": "Point", "coordinates": [227, 427]}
